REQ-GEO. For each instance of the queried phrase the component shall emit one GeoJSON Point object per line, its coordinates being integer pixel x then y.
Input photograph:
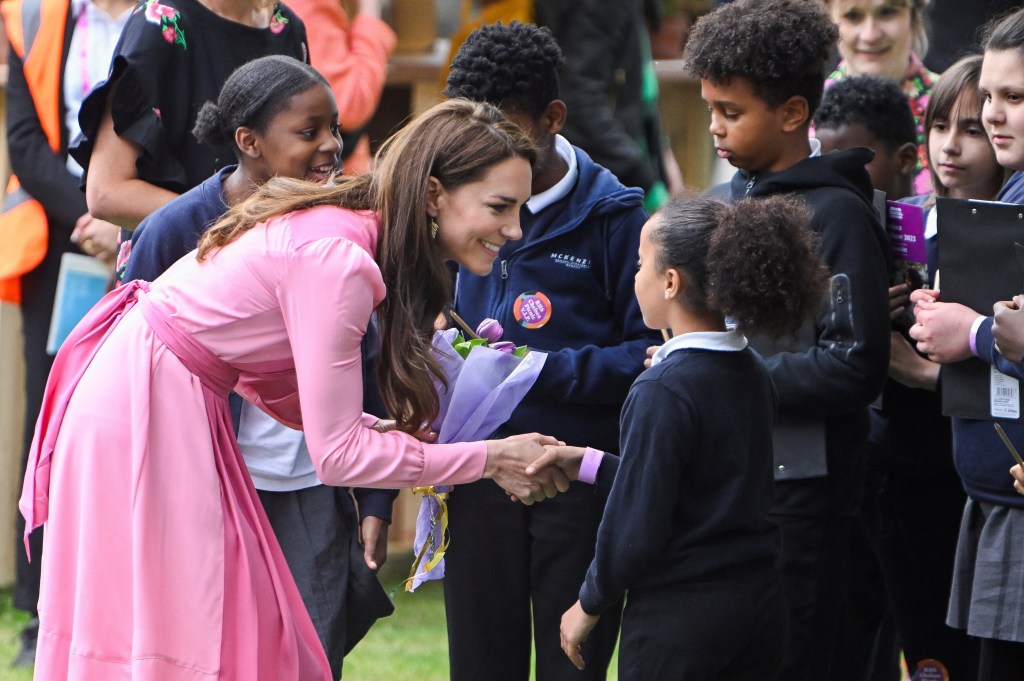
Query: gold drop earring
{"type": "Point", "coordinates": [433, 228]}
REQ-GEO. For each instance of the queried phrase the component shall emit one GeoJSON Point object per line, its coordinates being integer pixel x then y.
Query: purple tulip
{"type": "Point", "coordinates": [490, 330]}
{"type": "Point", "coordinates": [504, 346]}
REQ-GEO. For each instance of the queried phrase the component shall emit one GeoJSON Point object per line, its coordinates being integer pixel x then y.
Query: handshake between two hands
{"type": "Point", "coordinates": [532, 467]}
{"type": "Point", "coordinates": [529, 467]}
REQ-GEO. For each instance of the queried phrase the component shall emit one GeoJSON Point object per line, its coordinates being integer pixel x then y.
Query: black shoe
{"type": "Point", "coordinates": [27, 654]}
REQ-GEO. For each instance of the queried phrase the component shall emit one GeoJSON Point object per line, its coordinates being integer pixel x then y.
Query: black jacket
{"type": "Point", "coordinates": [602, 85]}
{"type": "Point", "coordinates": [836, 367]}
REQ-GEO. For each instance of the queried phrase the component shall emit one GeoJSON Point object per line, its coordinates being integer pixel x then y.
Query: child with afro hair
{"type": "Point", "coordinates": [872, 112]}
{"type": "Point", "coordinates": [761, 66]}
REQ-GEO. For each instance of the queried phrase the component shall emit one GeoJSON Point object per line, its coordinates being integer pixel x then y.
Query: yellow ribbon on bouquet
{"type": "Point", "coordinates": [438, 522]}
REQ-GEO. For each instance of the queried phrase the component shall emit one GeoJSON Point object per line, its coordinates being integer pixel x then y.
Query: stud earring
{"type": "Point", "coordinates": [433, 228]}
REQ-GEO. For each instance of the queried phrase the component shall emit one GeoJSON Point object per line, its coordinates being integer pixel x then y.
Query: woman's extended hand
{"type": "Point", "coordinates": [508, 459]}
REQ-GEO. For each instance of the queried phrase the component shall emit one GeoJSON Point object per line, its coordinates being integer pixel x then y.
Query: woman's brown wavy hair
{"type": "Point", "coordinates": [457, 142]}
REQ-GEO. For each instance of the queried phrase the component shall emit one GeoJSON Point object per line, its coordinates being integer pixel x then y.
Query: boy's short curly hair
{"type": "Point", "coordinates": [510, 66]}
{"type": "Point", "coordinates": [780, 46]}
{"type": "Point", "coordinates": [878, 104]}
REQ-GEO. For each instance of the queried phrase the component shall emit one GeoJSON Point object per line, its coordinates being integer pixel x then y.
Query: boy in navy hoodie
{"type": "Point", "coordinates": [761, 63]}
{"type": "Point", "coordinates": [565, 288]}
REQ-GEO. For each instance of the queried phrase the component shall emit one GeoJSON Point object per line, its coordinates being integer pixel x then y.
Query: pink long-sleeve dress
{"type": "Point", "coordinates": [159, 563]}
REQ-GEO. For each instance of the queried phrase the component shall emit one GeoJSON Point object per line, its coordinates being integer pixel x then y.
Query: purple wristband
{"type": "Point", "coordinates": [972, 339]}
{"type": "Point", "coordinates": [588, 467]}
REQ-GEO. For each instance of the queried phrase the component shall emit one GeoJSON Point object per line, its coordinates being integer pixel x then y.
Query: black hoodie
{"type": "Point", "coordinates": [835, 368]}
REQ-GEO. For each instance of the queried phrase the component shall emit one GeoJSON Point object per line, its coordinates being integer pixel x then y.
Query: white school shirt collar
{"type": "Point", "coordinates": [722, 341]}
{"type": "Point", "coordinates": [561, 189]}
{"type": "Point", "coordinates": [815, 147]}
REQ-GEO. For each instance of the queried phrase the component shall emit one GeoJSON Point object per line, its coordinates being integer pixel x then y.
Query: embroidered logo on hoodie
{"type": "Point", "coordinates": [571, 261]}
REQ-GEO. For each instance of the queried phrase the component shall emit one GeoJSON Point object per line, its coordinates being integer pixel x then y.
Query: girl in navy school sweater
{"type": "Point", "coordinates": [686, 528]}
{"type": "Point", "coordinates": [987, 599]}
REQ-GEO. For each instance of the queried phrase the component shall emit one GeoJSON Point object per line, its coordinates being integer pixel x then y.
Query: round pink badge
{"type": "Point", "coordinates": [532, 310]}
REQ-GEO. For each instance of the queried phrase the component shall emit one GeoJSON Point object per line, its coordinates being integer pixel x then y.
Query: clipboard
{"type": "Point", "coordinates": [982, 262]}
{"type": "Point", "coordinates": [81, 282]}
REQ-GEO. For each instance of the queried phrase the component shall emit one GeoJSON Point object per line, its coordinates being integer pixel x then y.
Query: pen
{"type": "Point", "coordinates": [1009, 445]}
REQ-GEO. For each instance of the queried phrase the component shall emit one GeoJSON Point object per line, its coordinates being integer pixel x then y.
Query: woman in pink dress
{"type": "Point", "coordinates": [159, 563]}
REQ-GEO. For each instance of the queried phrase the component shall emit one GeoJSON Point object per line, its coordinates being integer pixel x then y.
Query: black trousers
{"type": "Point", "coordinates": [1000, 660]}
{"type": "Point", "coordinates": [814, 576]}
{"type": "Point", "coordinates": [914, 536]}
{"type": "Point", "coordinates": [38, 288]}
{"type": "Point", "coordinates": [867, 648]}
{"type": "Point", "coordinates": [704, 632]}
{"type": "Point", "coordinates": [511, 571]}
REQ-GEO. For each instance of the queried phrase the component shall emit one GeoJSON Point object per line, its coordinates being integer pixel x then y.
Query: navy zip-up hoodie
{"type": "Point", "coordinates": [980, 456]}
{"type": "Point", "coordinates": [827, 377]}
{"type": "Point", "coordinates": [579, 254]}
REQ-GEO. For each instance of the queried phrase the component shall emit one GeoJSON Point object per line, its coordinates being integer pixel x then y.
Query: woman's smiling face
{"type": "Point", "coordinates": [874, 36]}
{"type": "Point", "coordinates": [476, 219]}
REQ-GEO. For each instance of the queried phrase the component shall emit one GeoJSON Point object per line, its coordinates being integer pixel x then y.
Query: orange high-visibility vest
{"type": "Point", "coordinates": [35, 29]}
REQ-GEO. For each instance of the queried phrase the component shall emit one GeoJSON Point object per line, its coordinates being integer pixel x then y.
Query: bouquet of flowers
{"type": "Point", "coordinates": [487, 379]}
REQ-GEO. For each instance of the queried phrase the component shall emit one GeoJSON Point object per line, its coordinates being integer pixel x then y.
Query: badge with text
{"type": "Point", "coordinates": [532, 310]}
{"type": "Point", "coordinates": [931, 670]}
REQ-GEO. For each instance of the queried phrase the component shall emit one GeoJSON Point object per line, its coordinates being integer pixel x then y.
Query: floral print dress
{"type": "Point", "coordinates": [172, 57]}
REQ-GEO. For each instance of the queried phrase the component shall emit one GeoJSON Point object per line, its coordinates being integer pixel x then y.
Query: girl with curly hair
{"type": "Point", "coordinates": [686, 528]}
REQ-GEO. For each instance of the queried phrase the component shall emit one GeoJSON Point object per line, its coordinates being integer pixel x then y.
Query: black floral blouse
{"type": "Point", "coordinates": [172, 57]}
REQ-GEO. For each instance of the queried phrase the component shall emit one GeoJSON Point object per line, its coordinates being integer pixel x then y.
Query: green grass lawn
{"type": "Point", "coordinates": [11, 622]}
{"type": "Point", "coordinates": [411, 644]}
